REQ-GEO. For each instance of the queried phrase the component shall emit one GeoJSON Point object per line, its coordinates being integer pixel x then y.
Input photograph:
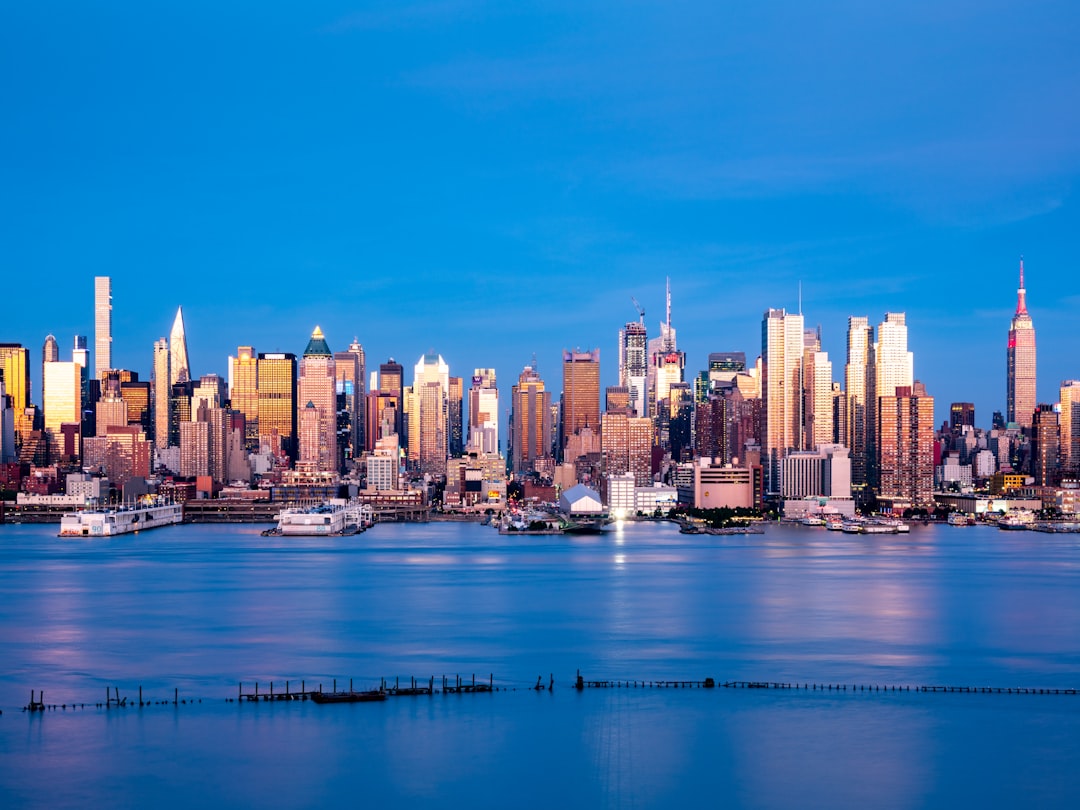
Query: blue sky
{"type": "Point", "coordinates": [494, 180]}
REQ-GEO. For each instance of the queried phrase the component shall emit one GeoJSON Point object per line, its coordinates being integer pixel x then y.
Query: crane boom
{"type": "Point", "coordinates": [640, 309]}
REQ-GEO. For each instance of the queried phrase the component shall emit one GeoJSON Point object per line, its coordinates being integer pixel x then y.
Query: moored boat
{"type": "Point", "coordinates": [146, 513]}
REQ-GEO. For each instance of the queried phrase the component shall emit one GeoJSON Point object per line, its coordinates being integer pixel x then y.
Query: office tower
{"type": "Point", "coordinates": [1045, 445]}
{"type": "Point", "coordinates": [111, 411]}
{"type": "Point", "coordinates": [626, 443]}
{"type": "Point", "coordinates": [454, 431]}
{"type": "Point", "coordinates": [50, 353]}
{"type": "Point", "coordinates": [62, 405]}
{"type": "Point", "coordinates": [860, 337]}
{"type": "Point", "coordinates": [102, 325]}
{"type": "Point", "coordinates": [179, 409]}
{"type": "Point", "coordinates": [664, 344]}
{"type": "Point", "coordinates": [179, 370]}
{"type": "Point", "coordinates": [781, 385]}
{"type": "Point", "coordinates": [617, 399]}
{"type": "Point", "coordinates": [817, 392]}
{"type": "Point", "coordinates": [429, 415]}
{"type": "Point", "coordinates": [316, 387]}
{"type": "Point", "coordinates": [905, 436]}
{"type": "Point", "coordinates": [195, 448]}
{"type": "Point", "coordinates": [530, 422]}
{"type": "Point", "coordinates": [244, 392]}
{"type": "Point", "coordinates": [81, 355]}
{"type": "Point", "coordinates": [634, 364]}
{"type": "Point", "coordinates": [349, 387]}
{"type": "Point", "coordinates": [724, 367]}
{"type": "Point", "coordinates": [7, 425]}
{"type": "Point", "coordinates": [1070, 426]}
{"type": "Point", "coordinates": [162, 384]}
{"type": "Point", "coordinates": [392, 381]}
{"type": "Point", "coordinates": [277, 402]}
{"type": "Point", "coordinates": [15, 362]}
{"type": "Point", "coordinates": [961, 415]}
{"type": "Point", "coordinates": [211, 391]}
{"type": "Point", "coordinates": [136, 396]}
{"type": "Point", "coordinates": [581, 393]}
{"type": "Point", "coordinates": [840, 416]}
{"type": "Point", "coordinates": [1020, 361]}
{"type": "Point", "coordinates": [484, 412]}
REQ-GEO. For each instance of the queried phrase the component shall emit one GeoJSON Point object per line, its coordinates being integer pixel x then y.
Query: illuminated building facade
{"type": "Point", "coordinates": [781, 385]}
{"type": "Point", "coordinates": [484, 412]}
{"type": "Point", "coordinates": [15, 362]}
{"type": "Point", "coordinates": [429, 415]}
{"type": "Point", "coordinates": [530, 422]}
{"type": "Point", "coordinates": [277, 402]}
{"type": "Point", "coordinates": [102, 325]}
{"type": "Point", "coordinates": [905, 431]}
{"type": "Point", "coordinates": [581, 393]}
{"type": "Point", "coordinates": [1020, 362]}
{"type": "Point", "coordinates": [244, 392]}
{"type": "Point", "coordinates": [162, 384]}
{"type": "Point", "coordinates": [317, 387]}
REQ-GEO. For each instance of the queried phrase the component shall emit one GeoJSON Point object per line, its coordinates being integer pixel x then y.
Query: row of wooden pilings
{"type": "Point", "coordinates": [459, 685]}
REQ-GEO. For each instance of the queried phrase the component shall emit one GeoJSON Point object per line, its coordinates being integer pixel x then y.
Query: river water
{"type": "Point", "coordinates": [201, 609]}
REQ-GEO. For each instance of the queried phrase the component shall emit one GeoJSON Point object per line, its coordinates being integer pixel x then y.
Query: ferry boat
{"type": "Point", "coordinates": [335, 518]}
{"type": "Point", "coordinates": [957, 519]}
{"type": "Point", "coordinates": [834, 523]}
{"type": "Point", "coordinates": [147, 513]}
{"type": "Point", "coordinates": [812, 520]}
{"type": "Point", "coordinates": [1018, 522]}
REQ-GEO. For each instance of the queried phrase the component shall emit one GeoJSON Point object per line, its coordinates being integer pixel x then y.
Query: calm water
{"type": "Point", "coordinates": [200, 608]}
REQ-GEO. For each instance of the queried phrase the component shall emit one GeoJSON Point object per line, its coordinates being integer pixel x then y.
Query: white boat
{"type": "Point", "coordinates": [335, 518]}
{"type": "Point", "coordinates": [148, 513]}
{"type": "Point", "coordinates": [834, 523]}
{"type": "Point", "coordinates": [812, 520]}
{"type": "Point", "coordinates": [896, 525]}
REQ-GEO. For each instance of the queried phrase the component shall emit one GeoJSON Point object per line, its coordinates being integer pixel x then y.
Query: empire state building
{"type": "Point", "coordinates": [1020, 404]}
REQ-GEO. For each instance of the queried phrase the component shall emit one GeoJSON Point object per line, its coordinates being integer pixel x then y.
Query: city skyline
{"type": "Point", "coordinates": [498, 184]}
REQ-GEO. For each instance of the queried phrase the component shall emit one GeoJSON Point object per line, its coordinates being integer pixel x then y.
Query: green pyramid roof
{"type": "Point", "coordinates": [317, 345]}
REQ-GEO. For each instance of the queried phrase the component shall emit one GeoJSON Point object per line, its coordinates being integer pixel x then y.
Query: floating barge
{"type": "Point", "coordinates": [336, 518]}
{"type": "Point", "coordinates": [109, 521]}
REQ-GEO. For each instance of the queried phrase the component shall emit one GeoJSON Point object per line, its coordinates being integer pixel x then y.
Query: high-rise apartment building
{"type": "Point", "coordinates": [1020, 362]}
{"type": "Point", "coordinates": [581, 393]}
{"type": "Point", "coordinates": [102, 325]}
{"type": "Point", "coordinates": [1069, 397]}
{"type": "Point", "coordinates": [961, 415]}
{"type": "Point", "coordinates": [7, 425]}
{"type": "Point", "coordinates": [484, 412]}
{"type": "Point", "coordinates": [392, 381]}
{"type": "Point", "coordinates": [349, 388]}
{"type": "Point", "coordinates": [892, 367]}
{"type": "Point", "coordinates": [817, 392]}
{"type": "Point", "coordinates": [530, 422]}
{"type": "Point", "coordinates": [781, 386]}
{"type": "Point", "coordinates": [429, 415]}
{"type": "Point", "coordinates": [454, 412]}
{"type": "Point", "coordinates": [277, 401]}
{"type": "Point", "coordinates": [50, 353]}
{"type": "Point", "coordinates": [15, 362]}
{"type": "Point", "coordinates": [162, 387]}
{"type": "Point", "coordinates": [179, 368]}
{"type": "Point", "coordinates": [905, 442]}
{"type": "Point", "coordinates": [625, 446]}
{"type": "Point", "coordinates": [1045, 445]}
{"type": "Point", "coordinates": [316, 387]}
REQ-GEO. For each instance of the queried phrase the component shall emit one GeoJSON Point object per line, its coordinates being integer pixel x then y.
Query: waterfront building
{"type": "Point", "coordinates": [316, 388]}
{"type": "Point", "coordinates": [717, 485]}
{"type": "Point", "coordinates": [102, 325]}
{"type": "Point", "coordinates": [277, 402]}
{"type": "Point", "coordinates": [429, 415]}
{"type": "Point", "coordinates": [625, 446]}
{"type": "Point", "coordinates": [1020, 393]}
{"type": "Point", "coordinates": [905, 434]}
{"type": "Point", "coordinates": [530, 423]}
{"type": "Point", "coordinates": [781, 384]}
{"type": "Point", "coordinates": [162, 384]}
{"type": "Point", "coordinates": [15, 363]}
{"type": "Point", "coordinates": [581, 393]}
{"type": "Point", "coordinates": [892, 367]}
{"type": "Point", "coordinates": [179, 368]}
{"type": "Point", "coordinates": [1069, 397]}
{"type": "Point", "coordinates": [484, 412]}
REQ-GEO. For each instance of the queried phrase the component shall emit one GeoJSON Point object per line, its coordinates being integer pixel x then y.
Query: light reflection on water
{"type": "Point", "coordinates": [201, 608]}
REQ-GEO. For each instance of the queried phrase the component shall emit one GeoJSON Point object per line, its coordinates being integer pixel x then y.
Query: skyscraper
{"type": "Point", "coordinates": [905, 431]}
{"type": "Point", "coordinates": [50, 353]}
{"type": "Point", "coordinates": [102, 325]}
{"type": "Point", "coordinates": [15, 361]}
{"type": "Point", "coordinates": [634, 364]}
{"type": "Point", "coordinates": [484, 412]}
{"type": "Point", "coordinates": [530, 422]}
{"type": "Point", "coordinates": [455, 425]}
{"type": "Point", "coordinates": [860, 338]}
{"type": "Point", "coordinates": [349, 381]}
{"type": "Point", "coordinates": [392, 381]}
{"type": "Point", "coordinates": [581, 393]}
{"type": "Point", "coordinates": [162, 385]}
{"type": "Point", "coordinates": [892, 367]}
{"type": "Point", "coordinates": [817, 392]}
{"type": "Point", "coordinates": [62, 404]}
{"type": "Point", "coordinates": [244, 392]}
{"type": "Point", "coordinates": [179, 370]}
{"type": "Point", "coordinates": [1070, 426]}
{"type": "Point", "coordinates": [1045, 445]}
{"type": "Point", "coordinates": [1020, 362]}
{"type": "Point", "coordinates": [781, 389]}
{"type": "Point", "coordinates": [429, 414]}
{"type": "Point", "coordinates": [277, 402]}
{"type": "Point", "coordinates": [316, 388]}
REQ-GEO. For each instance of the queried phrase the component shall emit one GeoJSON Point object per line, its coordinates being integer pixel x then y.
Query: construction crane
{"type": "Point", "coordinates": [640, 309]}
